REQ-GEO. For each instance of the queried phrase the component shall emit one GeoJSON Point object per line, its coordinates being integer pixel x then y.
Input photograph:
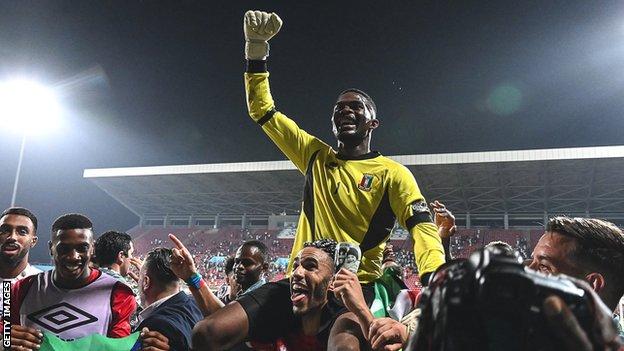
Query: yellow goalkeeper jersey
{"type": "Point", "coordinates": [354, 200]}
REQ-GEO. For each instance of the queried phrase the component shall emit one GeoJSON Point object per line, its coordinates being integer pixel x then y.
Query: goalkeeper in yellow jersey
{"type": "Point", "coordinates": [351, 194]}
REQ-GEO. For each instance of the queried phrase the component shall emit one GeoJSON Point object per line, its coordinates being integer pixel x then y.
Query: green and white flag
{"type": "Point", "coordinates": [387, 287]}
{"type": "Point", "coordinates": [95, 342]}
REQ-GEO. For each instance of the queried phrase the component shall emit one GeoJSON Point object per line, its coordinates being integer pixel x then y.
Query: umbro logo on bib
{"type": "Point", "coordinates": [366, 183]}
{"type": "Point", "coordinates": [61, 317]}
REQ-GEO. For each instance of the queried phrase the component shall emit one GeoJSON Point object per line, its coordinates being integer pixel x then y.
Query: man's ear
{"type": "Point", "coordinates": [146, 282]}
{"type": "Point", "coordinates": [120, 258]}
{"type": "Point", "coordinates": [373, 123]}
{"type": "Point", "coordinates": [34, 240]}
{"type": "Point", "coordinates": [596, 281]}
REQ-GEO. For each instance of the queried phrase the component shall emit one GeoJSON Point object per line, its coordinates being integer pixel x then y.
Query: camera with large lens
{"type": "Point", "coordinates": [491, 301]}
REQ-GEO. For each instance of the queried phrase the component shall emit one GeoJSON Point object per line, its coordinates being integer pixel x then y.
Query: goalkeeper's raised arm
{"type": "Point", "coordinates": [259, 27]}
{"type": "Point", "coordinates": [294, 142]}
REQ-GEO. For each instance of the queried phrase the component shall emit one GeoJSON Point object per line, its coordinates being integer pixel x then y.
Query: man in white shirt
{"type": "Point", "coordinates": [18, 234]}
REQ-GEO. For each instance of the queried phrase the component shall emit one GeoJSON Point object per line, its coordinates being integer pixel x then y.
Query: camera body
{"type": "Point", "coordinates": [491, 301]}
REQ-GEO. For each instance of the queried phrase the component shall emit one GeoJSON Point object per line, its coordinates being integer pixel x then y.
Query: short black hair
{"type": "Point", "coordinates": [600, 245]}
{"type": "Point", "coordinates": [158, 266]}
{"type": "Point", "coordinates": [229, 265]}
{"type": "Point", "coordinates": [264, 251]}
{"type": "Point", "coordinates": [71, 221]}
{"type": "Point", "coordinates": [369, 100]}
{"type": "Point", "coordinates": [326, 245]}
{"type": "Point", "coordinates": [500, 245]}
{"type": "Point", "coordinates": [109, 244]}
{"type": "Point", "coordinates": [21, 211]}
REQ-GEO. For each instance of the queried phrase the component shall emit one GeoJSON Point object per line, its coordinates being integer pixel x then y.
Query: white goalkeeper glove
{"type": "Point", "coordinates": [259, 27]}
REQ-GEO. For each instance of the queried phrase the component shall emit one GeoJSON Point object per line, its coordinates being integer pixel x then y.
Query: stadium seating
{"type": "Point", "coordinates": [206, 243]}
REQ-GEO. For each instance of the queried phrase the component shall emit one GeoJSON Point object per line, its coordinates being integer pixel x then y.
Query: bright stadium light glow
{"type": "Point", "coordinates": [28, 107]}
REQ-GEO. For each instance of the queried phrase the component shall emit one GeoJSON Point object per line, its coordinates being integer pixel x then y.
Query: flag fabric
{"type": "Point", "coordinates": [95, 342]}
{"type": "Point", "coordinates": [387, 287]}
{"type": "Point", "coordinates": [381, 302]}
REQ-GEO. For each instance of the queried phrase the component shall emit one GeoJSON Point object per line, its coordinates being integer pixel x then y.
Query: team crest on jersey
{"type": "Point", "coordinates": [367, 182]}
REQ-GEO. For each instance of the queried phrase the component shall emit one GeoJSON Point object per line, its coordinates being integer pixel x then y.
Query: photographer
{"type": "Point", "coordinates": [513, 308]}
{"type": "Point", "coordinates": [588, 249]}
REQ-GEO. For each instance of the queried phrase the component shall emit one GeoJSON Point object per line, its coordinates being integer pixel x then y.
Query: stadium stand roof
{"type": "Point", "coordinates": [519, 185]}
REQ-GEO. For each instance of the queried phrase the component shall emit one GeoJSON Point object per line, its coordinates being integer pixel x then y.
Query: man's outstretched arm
{"type": "Point", "coordinates": [295, 143]}
{"type": "Point", "coordinates": [259, 27]}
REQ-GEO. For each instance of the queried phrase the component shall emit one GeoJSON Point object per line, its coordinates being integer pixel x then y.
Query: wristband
{"type": "Point", "coordinates": [256, 66]}
{"type": "Point", "coordinates": [195, 281]}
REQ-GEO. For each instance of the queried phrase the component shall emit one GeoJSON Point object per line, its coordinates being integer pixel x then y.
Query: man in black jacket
{"type": "Point", "coordinates": [167, 309]}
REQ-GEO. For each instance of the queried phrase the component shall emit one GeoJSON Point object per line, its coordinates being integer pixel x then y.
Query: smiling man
{"type": "Point", "coordinates": [351, 194]}
{"type": "Point", "coordinates": [72, 300]}
{"type": "Point", "coordinates": [310, 283]}
{"type": "Point", "coordinates": [18, 234]}
{"type": "Point", "coordinates": [312, 303]}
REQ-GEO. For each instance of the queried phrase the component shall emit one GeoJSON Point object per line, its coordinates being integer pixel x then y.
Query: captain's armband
{"type": "Point", "coordinates": [420, 213]}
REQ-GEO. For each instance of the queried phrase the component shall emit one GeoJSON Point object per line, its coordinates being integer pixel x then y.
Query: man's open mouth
{"type": "Point", "coordinates": [10, 248]}
{"type": "Point", "coordinates": [298, 293]}
{"type": "Point", "coordinates": [346, 124]}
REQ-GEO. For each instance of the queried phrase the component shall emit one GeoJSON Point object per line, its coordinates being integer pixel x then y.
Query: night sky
{"type": "Point", "coordinates": [148, 83]}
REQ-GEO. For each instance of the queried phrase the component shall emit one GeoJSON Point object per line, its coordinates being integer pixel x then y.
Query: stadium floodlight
{"type": "Point", "coordinates": [27, 107]}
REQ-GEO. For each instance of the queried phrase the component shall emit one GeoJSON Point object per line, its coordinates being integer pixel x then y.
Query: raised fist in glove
{"type": "Point", "coordinates": [259, 27]}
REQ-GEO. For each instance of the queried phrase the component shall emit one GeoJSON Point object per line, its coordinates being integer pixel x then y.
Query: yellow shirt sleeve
{"type": "Point", "coordinates": [293, 141]}
{"type": "Point", "coordinates": [259, 99]}
{"type": "Point", "coordinates": [412, 212]}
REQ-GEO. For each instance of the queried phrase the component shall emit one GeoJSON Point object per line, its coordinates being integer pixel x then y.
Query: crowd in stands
{"type": "Point", "coordinates": [206, 244]}
{"type": "Point", "coordinates": [210, 248]}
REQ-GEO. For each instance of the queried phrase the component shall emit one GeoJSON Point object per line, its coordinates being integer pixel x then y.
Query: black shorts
{"type": "Point", "coordinates": [270, 314]}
